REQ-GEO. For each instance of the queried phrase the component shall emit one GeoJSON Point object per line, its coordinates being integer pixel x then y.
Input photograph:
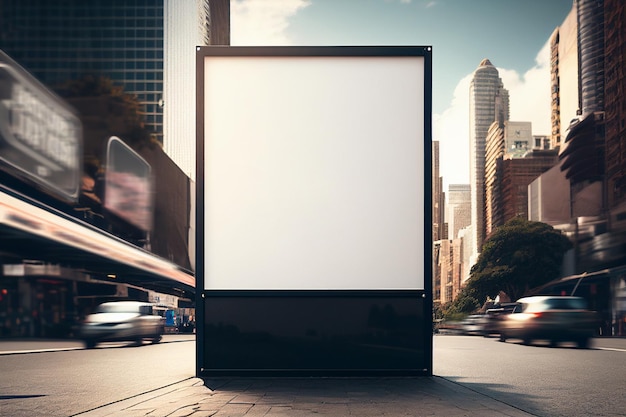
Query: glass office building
{"type": "Point", "coordinates": [147, 46]}
{"type": "Point", "coordinates": [65, 40]}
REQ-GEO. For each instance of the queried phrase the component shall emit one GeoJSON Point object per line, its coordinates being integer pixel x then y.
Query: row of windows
{"type": "Point", "coordinates": [100, 8]}
{"type": "Point", "coordinates": [141, 89]}
{"type": "Point", "coordinates": [88, 54]}
{"type": "Point", "coordinates": [138, 84]}
{"type": "Point", "coordinates": [95, 36]}
{"type": "Point", "coordinates": [85, 43]}
{"type": "Point", "coordinates": [146, 97]}
{"type": "Point", "coordinates": [129, 66]}
{"type": "Point", "coordinates": [90, 44]}
{"type": "Point", "coordinates": [119, 70]}
{"type": "Point", "coordinates": [70, 26]}
{"type": "Point", "coordinates": [154, 120]}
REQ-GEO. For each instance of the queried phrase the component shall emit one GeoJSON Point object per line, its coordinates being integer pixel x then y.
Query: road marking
{"type": "Point", "coordinates": [17, 352]}
{"type": "Point", "coordinates": [611, 349]}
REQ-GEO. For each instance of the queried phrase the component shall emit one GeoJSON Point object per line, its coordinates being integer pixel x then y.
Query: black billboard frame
{"type": "Point", "coordinates": [224, 330]}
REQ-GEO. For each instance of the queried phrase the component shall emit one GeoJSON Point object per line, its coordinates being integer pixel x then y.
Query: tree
{"type": "Point", "coordinates": [106, 110]}
{"type": "Point", "coordinates": [465, 303]}
{"type": "Point", "coordinates": [519, 256]}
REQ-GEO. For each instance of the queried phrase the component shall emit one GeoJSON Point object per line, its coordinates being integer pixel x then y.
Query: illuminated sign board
{"type": "Point", "coordinates": [128, 185]}
{"type": "Point", "coordinates": [40, 135]}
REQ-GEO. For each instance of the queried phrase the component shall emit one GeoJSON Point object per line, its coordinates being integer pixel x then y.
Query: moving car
{"type": "Point", "coordinates": [473, 324]}
{"type": "Point", "coordinates": [122, 321]}
{"type": "Point", "coordinates": [494, 317]}
{"type": "Point", "coordinates": [553, 318]}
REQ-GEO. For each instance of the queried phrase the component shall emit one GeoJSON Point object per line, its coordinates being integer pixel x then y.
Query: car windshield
{"type": "Point", "coordinates": [566, 304]}
{"type": "Point", "coordinates": [556, 303]}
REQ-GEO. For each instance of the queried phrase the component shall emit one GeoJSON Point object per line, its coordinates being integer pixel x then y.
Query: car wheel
{"type": "Point", "coordinates": [583, 343]}
{"type": "Point", "coordinates": [526, 341]}
{"type": "Point", "coordinates": [502, 337]}
{"type": "Point", "coordinates": [157, 338]}
{"type": "Point", "coordinates": [90, 343]}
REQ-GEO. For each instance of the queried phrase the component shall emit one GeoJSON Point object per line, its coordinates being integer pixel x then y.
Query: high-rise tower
{"type": "Point", "coordinates": [148, 46]}
{"type": "Point", "coordinates": [489, 102]}
{"type": "Point", "coordinates": [458, 208]}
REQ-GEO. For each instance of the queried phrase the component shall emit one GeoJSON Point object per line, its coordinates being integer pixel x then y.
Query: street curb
{"type": "Point", "coordinates": [124, 406]}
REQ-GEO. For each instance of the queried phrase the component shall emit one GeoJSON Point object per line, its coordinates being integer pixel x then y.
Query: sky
{"type": "Point", "coordinates": [513, 34]}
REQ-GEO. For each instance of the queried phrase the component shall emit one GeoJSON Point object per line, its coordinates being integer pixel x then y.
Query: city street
{"type": "Point", "coordinates": [67, 382]}
{"type": "Point", "coordinates": [544, 381]}
{"type": "Point", "coordinates": [60, 378]}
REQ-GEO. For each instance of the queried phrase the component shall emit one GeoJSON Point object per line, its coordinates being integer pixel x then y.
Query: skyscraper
{"type": "Point", "coordinates": [615, 103]}
{"type": "Point", "coordinates": [438, 197]}
{"type": "Point", "coordinates": [59, 41]}
{"type": "Point", "coordinates": [147, 46]}
{"type": "Point", "coordinates": [187, 24]}
{"type": "Point", "coordinates": [489, 102]}
{"type": "Point", "coordinates": [458, 208]}
{"type": "Point", "coordinates": [564, 77]}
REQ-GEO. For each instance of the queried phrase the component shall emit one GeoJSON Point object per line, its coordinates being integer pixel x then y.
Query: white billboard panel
{"type": "Point", "coordinates": [313, 172]}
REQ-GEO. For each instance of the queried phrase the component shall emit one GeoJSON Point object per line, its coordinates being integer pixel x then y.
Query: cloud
{"type": "Point", "coordinates": [451, 129]}
{"type": "Point", "coordinates": [262, 22]}
{"type": "Point", "coordinates": [529, 96]}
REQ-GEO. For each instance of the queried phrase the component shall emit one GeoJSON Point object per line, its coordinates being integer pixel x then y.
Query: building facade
{"type": "Point", "coordinates": [458, 208]}
{"type": "Point", "coordinates": [564, 86]}
{"type": "Point", "coordinates": [48, 284]}
{"type": "Point", "coordinates": [505, 141]}
{"type": "Point", "coordinates": [187, 24]}
{"type": "Point", "coordinates": [438, 198]}
{"type": "Point", "coordinates": [146, 46]}
{"type": "Point", "coordinates": [615, 107]}
{"type": "Point", "coordinates": [494, 152]}
{"type": "Point", "coordinates": [517, 175]}
{"type": "Point", "coordinates": [489, 102]}
{"type": "Point", "coordinates": [62, 41]}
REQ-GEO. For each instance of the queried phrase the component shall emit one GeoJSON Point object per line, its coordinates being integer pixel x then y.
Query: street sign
{"type": "Point", "coordinates": [40, 135]}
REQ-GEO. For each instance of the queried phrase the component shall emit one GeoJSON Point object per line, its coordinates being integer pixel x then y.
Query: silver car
{"type": "Point", "coordinates": [553, 318]}
{"type": "Point", "coordinates": [122, 321]}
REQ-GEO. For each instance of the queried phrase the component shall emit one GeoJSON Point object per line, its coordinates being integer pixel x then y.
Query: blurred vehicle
{"type": "Point", "coordinates": [122, 321]}
{"type": "Point", "coordinates": [553, 318]}
{"type": "Point", "coordinates": [473, 324]}
{"type": "Point", "coordinates": [494, 317]}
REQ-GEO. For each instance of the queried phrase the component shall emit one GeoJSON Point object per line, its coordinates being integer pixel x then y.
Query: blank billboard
{"type": "Point", "coordinates": [313, 168]}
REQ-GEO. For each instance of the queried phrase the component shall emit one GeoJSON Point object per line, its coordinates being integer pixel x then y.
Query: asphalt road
{"type": "Point", "coordinates": [63, 379]}
{"type": "Point", "coordinates": [66, 382]}
{"type": "Point", "coordinates": [552, 382]}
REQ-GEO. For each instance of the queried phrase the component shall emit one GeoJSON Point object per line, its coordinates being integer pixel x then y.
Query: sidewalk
{"type": "Point", "coordinates": [289, 397]}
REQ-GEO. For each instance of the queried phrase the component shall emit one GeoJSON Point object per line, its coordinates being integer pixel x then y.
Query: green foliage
{"type": "Point", "coordinates": [90, 86]}
{"type": "Point", "coordinates": [464, 304]}
{"type": "Point", "coordinates": [106, 110]}
{"type": "Point", "coordinates": [519, 256]}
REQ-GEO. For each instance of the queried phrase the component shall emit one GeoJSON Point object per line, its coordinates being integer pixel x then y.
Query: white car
{"type": "Point", "coordinates": [123, 321]}
{"type": "Point", "coordinates": [553, 318]}
{"type": "Point", "coordinates": [473, 324]}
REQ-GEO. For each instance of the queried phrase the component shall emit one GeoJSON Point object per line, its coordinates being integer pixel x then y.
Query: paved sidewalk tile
{"type": "Point", "coordinates": [302, 397]}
